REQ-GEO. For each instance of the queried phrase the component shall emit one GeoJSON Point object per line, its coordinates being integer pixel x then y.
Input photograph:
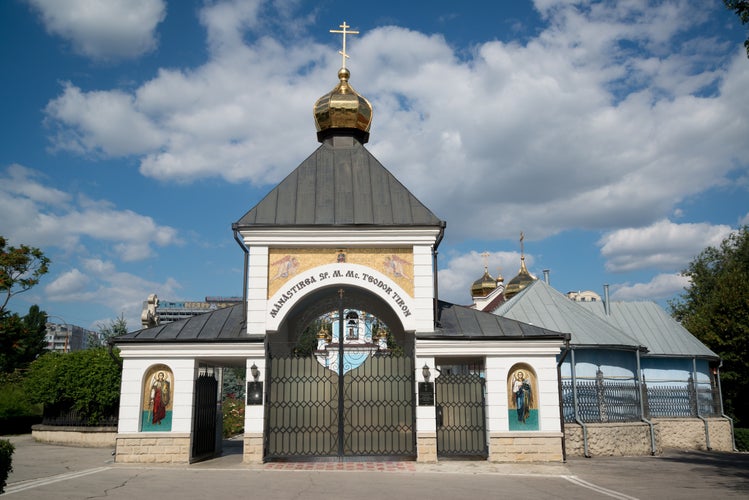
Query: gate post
{"type": "Point", "coordinates": [426, 418]}
{"type": "Point", "coordinates": [254, 414]}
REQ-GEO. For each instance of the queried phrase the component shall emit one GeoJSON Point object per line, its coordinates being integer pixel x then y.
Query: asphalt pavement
{"type": "Point", "coordinates": [49, 471]}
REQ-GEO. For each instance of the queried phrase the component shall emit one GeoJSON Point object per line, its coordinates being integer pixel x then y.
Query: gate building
{"type": "Point", "coordinates": [342, 253]}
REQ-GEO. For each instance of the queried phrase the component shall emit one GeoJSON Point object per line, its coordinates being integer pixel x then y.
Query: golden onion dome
{"type": "Point", "coordinates": [484, 285]}
{"type": "Point", "coordinates": [519, 282]}
{"type": "Point", "coordinates": [343, 110]}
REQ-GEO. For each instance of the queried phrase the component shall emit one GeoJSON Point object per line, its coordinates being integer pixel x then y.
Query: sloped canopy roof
{"type": "Point", "coordinates": [652, 327]}
{"type": "Point", "coordinates": [340, 184]}
{"type": "Point", "coordinates": [539, 304]}
{"type": "Point", "coordinates": [461, 322]}
{"type": "Point", "coordinates": [221, 325]}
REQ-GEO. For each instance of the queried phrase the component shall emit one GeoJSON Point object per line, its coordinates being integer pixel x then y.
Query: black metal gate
{"type": "Point", "coordinates": [461, 417]}
{"type": "Point", "coordinates": [204, 418]}
{"type": "Point", "coordinates": [308, 416]}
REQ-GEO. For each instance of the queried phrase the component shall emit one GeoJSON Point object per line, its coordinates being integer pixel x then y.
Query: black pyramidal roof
{"type": "Point", "coordinates": [340, 184]}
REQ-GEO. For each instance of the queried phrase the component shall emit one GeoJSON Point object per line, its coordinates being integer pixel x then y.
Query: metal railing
{"type": "Point", "coordinates": [601, 400]}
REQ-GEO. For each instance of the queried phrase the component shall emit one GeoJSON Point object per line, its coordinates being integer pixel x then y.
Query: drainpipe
{"type": "Point", "coordinates": [606, 303]}
{"type": "Point", "coordinates": [586, 453]}
{"type": "Point", "coordinates": [722, 413]}
{"type": "Point", "coordinates": [697, 404]}
{"type": "Point", "coordinates": [653, 449]}
{"type": "Point", "coordinates": [441, 235]}
{"type": "Point", "coordinates": [559, 388]}
{"type": "Point", "coordinates": [246, 267]}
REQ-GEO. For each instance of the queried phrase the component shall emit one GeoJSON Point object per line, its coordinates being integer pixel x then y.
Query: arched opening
{"type": "Point", "coordinates": [362, 309]}
{"type": "Point", "coordinates": [340, 374]}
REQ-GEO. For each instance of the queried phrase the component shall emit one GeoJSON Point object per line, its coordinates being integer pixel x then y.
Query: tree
{"type": "Point", "coordinates": [715, 309]}
{"type": "Point", "coordinates": [20, 269]}
{"type": "Point", "coordinates": [21, 338]}
{"type": "Point", "coordinates": [115, 328]}
{"type": "Point", "coordinates": [741, 8]}
{"type": "Point", "coordinates": [87, 382]}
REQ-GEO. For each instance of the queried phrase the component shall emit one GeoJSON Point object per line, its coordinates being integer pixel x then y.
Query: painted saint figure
{"type": "Point", "coordinates": [522, 396]}
{"type": "Point", "coordinates": [159, 398]}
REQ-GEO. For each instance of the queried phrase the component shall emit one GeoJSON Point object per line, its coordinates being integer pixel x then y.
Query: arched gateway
{"type": "Point", "coordinates": [341, 333]}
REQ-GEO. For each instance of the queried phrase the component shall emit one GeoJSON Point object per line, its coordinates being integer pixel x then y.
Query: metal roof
{"type": "Point", "coordinates": [456, 322]}
{"type": "Point", "coordinates": [221, 325]}
{"type": "Point", "coordinates": [540, 304]}
{"type": "Point", "coordinates": [341, 183]}
{"type": "Point", "coordinates": [652, 327]}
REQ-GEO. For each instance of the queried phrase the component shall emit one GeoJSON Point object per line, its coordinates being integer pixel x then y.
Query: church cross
{"type": "Point", "coordinates": [485, 256]}
{"type": "Point", "coordinates": [522, 237]}
{"type": "Point", "coordinates": [344, 31]}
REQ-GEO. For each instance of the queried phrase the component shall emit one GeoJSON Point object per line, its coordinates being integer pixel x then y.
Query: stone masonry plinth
{"type": "Point", "coordinates": [525, 447]}
{"type": "Point", "coordinates": [163, 448]}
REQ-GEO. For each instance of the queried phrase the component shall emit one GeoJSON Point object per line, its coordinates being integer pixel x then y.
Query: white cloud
{"type": "Point", "coordinates": [101, 283]}
{"type": "Point", "coordinates": [662, 245]}
{"type": "Point", "coordinates": [115, 29]}
{"type": "Point", "coordinates": [38, 215]}
{"type": "Point", "coordinates": [66, 285]}
{"type": "Point", "coordinates": [102, 122]}
{"type": "Point", "coordinates": [660, 287]}
{"type": "Point", "coordinates": [569, 130]}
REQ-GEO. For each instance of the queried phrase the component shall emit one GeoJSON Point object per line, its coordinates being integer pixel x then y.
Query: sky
{"type": "Point", "coordinates": [613, 134]}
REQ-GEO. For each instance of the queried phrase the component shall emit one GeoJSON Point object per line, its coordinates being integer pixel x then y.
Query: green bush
{"type": "Point", "coordinates": [6, 462]}
{"type": "Point", "coordinates": [17, 413]}
{"type": "Point", "coordinates": [233, 416]}
{"type": "Point", "coordinates": [85, 381]}
{"type": "Point", "coordinates": [742, 439]}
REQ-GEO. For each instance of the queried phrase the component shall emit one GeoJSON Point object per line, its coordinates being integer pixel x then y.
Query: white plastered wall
{"type": "Point", "coordinates": [500, 357]}
{"type": "Point", "coordinates": [497, 371]}
{"type": "Point", "coordinates": [133, 371]}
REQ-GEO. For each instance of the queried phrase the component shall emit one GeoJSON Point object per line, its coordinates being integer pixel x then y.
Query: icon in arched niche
{"type": "Point", "coordinates": [156, 406]}
{"type": "Point", "coordinates": [522, 392]}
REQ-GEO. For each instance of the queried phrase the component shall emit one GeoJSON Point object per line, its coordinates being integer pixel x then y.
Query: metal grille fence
{"type": "Point", "coordinates": [682, 400]}
{"type": "Point", "coordinates": [66, 416]}
{"type": "Point", "coordinates": [603, 400]}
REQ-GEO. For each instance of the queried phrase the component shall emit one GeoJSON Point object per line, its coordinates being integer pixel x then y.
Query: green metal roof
{"type": "Point", "coordinates": [541, 305]}
{"type": "Point", "coordinates": [652, 327]}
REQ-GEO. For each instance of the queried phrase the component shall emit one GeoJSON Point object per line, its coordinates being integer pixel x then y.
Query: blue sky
{"type": "Point", "coordinates": [613, 134]}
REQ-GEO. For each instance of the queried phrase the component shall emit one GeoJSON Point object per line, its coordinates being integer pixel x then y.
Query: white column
{"type": "Point", "coordinates": [257, 290]}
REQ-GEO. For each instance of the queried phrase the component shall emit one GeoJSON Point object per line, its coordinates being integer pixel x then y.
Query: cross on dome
{"type": "Point", "coordinates": [485, 256]}
{"type": "Point", "coordinates": [344, 31]}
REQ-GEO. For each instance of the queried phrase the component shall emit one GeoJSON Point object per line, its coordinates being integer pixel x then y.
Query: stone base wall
{"type": "Point", "coordinates": [689, 433]}
{"type": "Point", "coordinates": [525, 447]}
{"type": "Point", "coordinates": [87, 437]}
{"type": "Point", "coordinates": [610, 439]}
{"type": "Point", "coordinates": [253, 448]}
{"type": "Point", "coordinates": [426, 447]}
{"type": "Point", "coordinates": [162, 448]}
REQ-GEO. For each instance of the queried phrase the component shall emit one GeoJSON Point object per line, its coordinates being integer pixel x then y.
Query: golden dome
{"type": "Point", "coordinates": [343, 109]}
{"type": "Point", "coordinates": [484, 285]}
{"type": "Point", "coordinates": [519, 282]}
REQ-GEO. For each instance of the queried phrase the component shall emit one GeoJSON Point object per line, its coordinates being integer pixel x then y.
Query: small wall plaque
{"type": "Point", "coordinates": [254, 393]}
{"type": "Point", "coordinates": [426, 393]}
